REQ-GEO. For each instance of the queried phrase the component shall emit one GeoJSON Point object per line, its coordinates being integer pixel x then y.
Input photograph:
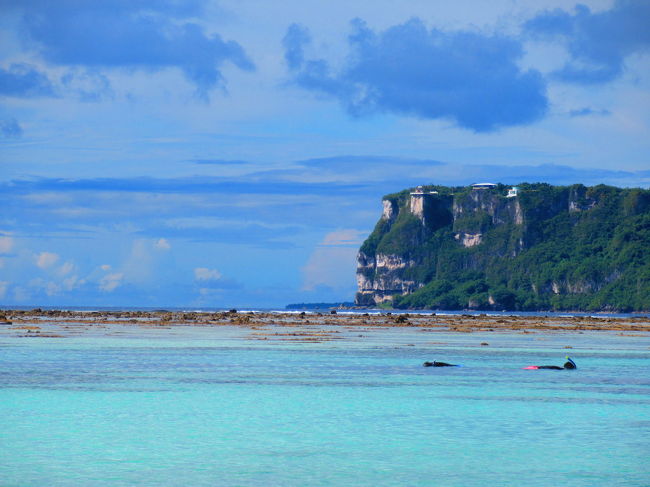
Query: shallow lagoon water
{"type": "Point", "coordinates": [205, 406]}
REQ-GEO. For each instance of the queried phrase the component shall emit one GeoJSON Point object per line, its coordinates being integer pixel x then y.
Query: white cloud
{"type": "Point", "coordinates": [72, 282]}
{"type": "Point", "coordinates": [52, 288]}
{"type": "Point", "coordinates": [205, 274]}
{"type": "Point", "coordinates": [141, 264]}
{"type": "Point", "coordinates": [21, 294]}
{"type": "Point", "coordinates": [162, 244]}
{"type": "Point", "coordinates": [330, 266]}
{"type": "Point", "coordinates": [6, 244]}
{"type": "Point", "coordinates": [105, 267]}
{"type": "Point", "coordinates": [344, 237]}
{"type": "Point", "coordinates": [333, 261]}
{"type": "Point", "coordinates": [66, 269]}
{"type": "Point", "coordinates": [110, 282]}
{"type": "Point", "coordinates": [46, 259]}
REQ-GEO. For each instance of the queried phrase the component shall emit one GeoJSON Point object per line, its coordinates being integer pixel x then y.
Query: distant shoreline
{"type": "Point", "coordinates": [40, 322]}
{"type": "Point", "coordinates": [318, 308]}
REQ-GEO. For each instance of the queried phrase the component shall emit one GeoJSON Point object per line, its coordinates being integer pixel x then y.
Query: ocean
{"type": "Point", "coordinates": [208, 406]}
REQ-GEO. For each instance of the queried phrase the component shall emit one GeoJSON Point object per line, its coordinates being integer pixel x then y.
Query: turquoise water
{"type": "Point", "coordinates": [206, 407]}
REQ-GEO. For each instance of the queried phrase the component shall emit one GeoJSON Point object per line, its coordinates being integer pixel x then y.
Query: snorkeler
{"type": "Point", "coordinates": [438, 364]}
{"type": "Point", "coordinates": [568, 365]}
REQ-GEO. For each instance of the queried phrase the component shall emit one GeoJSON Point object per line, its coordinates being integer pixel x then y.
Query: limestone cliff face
{"type": "Point", "coordinates": [387, 277]}
{"type": "Point", "coordinates": [382, 275]}
{"type": "Point", "coordinates": [389, 211]}
{"type": "Point", "coordinates": [459, 245]}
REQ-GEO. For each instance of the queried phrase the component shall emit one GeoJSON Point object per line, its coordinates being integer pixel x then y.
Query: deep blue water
{"type": "Point", "coordinates": [206, 407]}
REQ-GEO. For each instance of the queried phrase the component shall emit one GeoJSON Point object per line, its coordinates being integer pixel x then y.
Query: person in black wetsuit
{"type": "Point", "coordinates": [438, 364]}
{"type": "Point", "coordinates": [568, 365]}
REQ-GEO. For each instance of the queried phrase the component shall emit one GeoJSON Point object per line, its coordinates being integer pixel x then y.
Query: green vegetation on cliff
{"type": "Point", "coordinates": [549, 248]}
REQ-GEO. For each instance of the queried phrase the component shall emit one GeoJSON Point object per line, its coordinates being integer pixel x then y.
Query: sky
{"type": "Point", "coordinates": [231, 153]}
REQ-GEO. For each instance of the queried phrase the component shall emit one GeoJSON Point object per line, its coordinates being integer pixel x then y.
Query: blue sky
{"type": "Point", "coordinates": [221, 153]}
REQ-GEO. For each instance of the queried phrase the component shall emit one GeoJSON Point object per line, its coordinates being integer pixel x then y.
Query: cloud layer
{"type": "Point", "coordinates": [598, 43]}
{"type": "Point", "coordinates": [131, 35]}
{"type": "Point", "coordinates": [467, 77]}
{"type": "Point", "coordinates": [24, 81]}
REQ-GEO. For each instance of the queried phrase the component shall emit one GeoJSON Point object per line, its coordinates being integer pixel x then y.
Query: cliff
{"type": "Point", "coordinates": [543, 248]}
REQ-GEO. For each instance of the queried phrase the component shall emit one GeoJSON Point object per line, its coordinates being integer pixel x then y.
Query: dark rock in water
{"type": "Point", "coordinates": [437, 364]}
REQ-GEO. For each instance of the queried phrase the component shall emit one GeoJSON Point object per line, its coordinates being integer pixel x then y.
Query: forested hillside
{"type": "Point", "coordinates": [547, 248]}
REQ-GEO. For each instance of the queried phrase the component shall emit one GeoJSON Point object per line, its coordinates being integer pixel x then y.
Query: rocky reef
{"type": "Point", "coordinates": [529, 247]}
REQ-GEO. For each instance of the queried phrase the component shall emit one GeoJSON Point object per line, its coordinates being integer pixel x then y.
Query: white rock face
{"type": "Point", "coordinates": [500, 211]}
{"type": "Point", "coordinates": [392, 262]}
{"type": "Point", "coordinates": [469, 239]}
{"type": "Point", "coordinates": [417, 206]}
{"type": "Point", "coordinates": [388, 210]}
{"type": "Point", "coordinates": [583, 286]}
{"type": "Point", "coordinates": [519, 214]}
{"type": "Point", "coordinates": [386, 280]}
{"type": "Point", "coordinates": [579, 201]}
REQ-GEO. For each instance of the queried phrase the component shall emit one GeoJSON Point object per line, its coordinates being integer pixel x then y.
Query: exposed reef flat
{"type": "Point", "coordinates": [308, 327]}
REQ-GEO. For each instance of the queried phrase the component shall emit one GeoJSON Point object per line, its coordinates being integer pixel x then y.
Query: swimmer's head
{"type": "Point", "coordinates": [570, 364]}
